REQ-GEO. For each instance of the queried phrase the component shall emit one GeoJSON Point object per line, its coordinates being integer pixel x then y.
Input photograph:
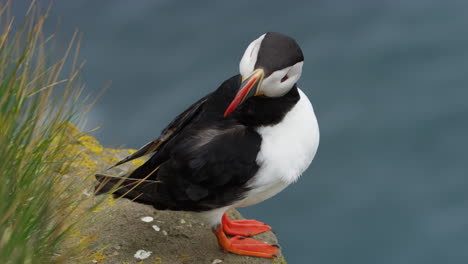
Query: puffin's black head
{"type": "Point", "coordinates": [271, 66]}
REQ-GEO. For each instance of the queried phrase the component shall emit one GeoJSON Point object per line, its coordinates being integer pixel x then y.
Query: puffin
{"type": "Point", "coordinates": [239, 145]}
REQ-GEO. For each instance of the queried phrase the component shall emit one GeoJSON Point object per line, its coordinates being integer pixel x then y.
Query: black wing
{"type": "Point", "coordinates": [194, 177]}
{"type": "Point", "coordinates": [203, 177]}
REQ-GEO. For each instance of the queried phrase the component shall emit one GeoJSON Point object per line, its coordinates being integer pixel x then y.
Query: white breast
{"type": "Point", "coordinates": [286, 151]}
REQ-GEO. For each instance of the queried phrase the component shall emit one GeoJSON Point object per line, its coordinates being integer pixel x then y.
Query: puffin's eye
{"type": "Point", "coordinates": [284, 78]}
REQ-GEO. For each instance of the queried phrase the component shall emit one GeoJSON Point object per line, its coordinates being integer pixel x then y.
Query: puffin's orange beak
{"type": "Point", "coordinates": [249, 87]}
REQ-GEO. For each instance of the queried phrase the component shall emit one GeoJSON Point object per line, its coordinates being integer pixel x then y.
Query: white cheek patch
{"type": "Point", "coordinates": [272, 85]}
{"type": "Point", "coordinates": [247, 63]}
{"type": "Point", "coordinates": [296, 70]}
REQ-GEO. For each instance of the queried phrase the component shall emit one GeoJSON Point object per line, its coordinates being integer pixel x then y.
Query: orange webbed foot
{"type": "Point", "coordinates": [243, 227]}
{"type": "Point", "coordinates": [245, 246]}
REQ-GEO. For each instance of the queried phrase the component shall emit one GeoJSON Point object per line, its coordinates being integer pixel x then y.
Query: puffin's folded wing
{"type": "Point", "coordinates": [170, 131]}
{"type": "Point", "coordinates": [208, 169]}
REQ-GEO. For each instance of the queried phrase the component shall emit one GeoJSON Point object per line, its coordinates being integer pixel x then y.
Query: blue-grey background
{"type": "Point", "coordinates": [389, 83]}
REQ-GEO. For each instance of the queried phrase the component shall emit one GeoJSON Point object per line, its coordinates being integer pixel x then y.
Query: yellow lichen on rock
{"type": "Point", "coordinates": [281, 260]}
{"type": "Point", "coordinates": [108, 202]}
{"type": "Point", "coordinates": [138, 162]}
{"type": "Point", "coordinates": [110, 159]}
{"type": "Point", "coordinates": [91, 144]}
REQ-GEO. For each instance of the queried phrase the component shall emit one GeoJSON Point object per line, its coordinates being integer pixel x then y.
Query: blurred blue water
{"type": "Point", "coordinates": [389, 83]}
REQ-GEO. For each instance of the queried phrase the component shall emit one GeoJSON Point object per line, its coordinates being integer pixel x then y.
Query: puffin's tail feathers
{"type": "Point", "coordinates": [139, 190]}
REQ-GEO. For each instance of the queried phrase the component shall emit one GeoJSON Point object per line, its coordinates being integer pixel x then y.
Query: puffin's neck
{"type": "Point", "coordinates": [263, 111]}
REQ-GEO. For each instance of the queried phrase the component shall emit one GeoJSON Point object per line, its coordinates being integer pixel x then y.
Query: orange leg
{"type": "Point", "coordinates": [243, 227]}
{"type": "Point", "coordinates": [245, 246]}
